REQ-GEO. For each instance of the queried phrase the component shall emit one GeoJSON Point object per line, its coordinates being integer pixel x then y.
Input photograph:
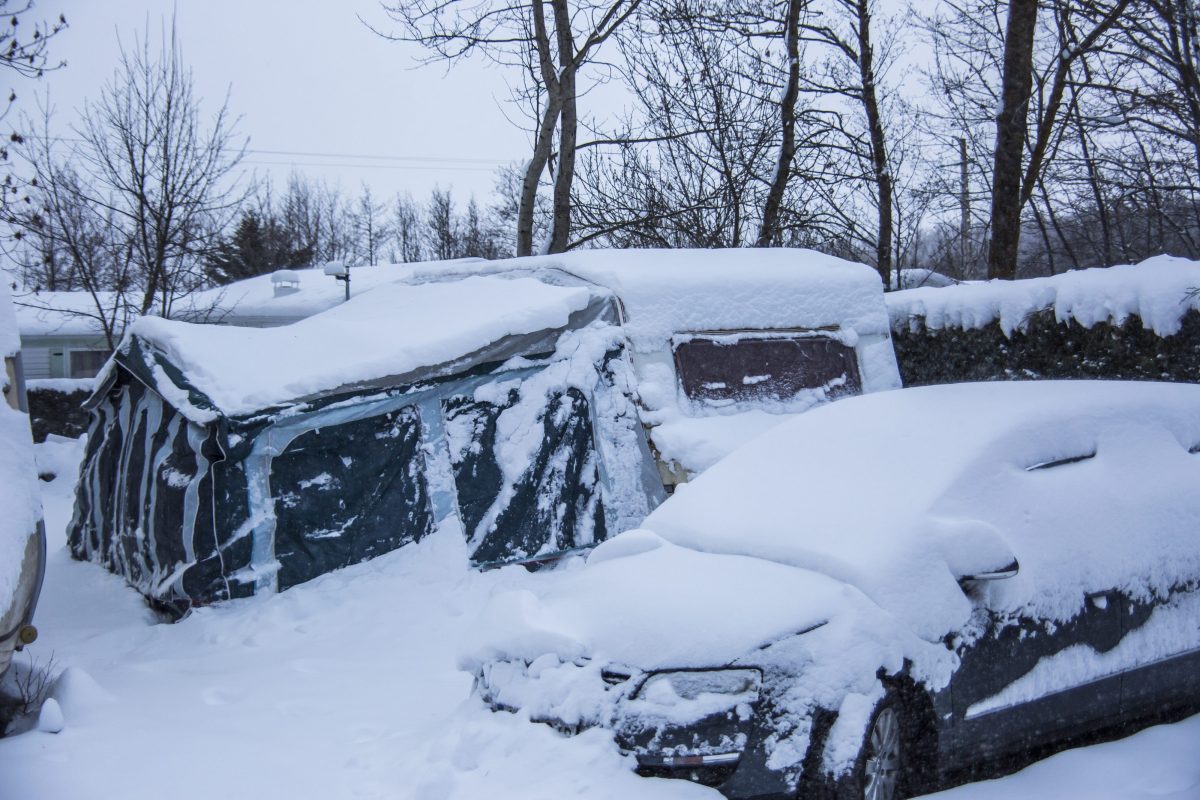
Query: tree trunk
{"type": "Point", "coordinates": [879, 159]}
{"type": "Point", "coordinates": [568, 122]}
{"type": "Point", "coordinates": [545, 133]}
{"type": "Point", "coordinates": [1011, 126]}
{"type": "Point", "coordinates": [768, 232]}
{"type": "Point", "coordinates": [533, 176]}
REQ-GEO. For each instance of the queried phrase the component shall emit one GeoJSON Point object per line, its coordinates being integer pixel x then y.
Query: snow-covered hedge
{"type": "Point", "coordinates": [1138, 321]}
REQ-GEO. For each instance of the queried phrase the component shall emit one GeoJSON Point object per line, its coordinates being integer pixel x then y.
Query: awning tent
{"type": "Point", "coordinates": [227, 462]}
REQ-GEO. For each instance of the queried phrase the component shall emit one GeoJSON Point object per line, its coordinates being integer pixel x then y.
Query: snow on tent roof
{"type": "Point", "coordinates": [1159, 290]}
{"type": "Point", "coordinates": [900, 493]}
{"type": "Point", "coordinates": [391, 330]}
{"type": "Point", "coordinates": [668, 291]}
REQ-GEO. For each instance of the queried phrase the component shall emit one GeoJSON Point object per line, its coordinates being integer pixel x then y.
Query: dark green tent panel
{"type": "Point", "coordinates": [346, 493]}
{"type": "Point", "coordinates": [527, 446]}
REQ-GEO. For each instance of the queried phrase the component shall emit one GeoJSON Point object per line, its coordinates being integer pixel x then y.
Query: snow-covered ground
{"type": "Point", "coordinates": [346, 687]}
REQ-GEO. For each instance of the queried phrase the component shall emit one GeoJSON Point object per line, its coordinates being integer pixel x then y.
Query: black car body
{"type": "Point", "coordinates": [1030, 576]}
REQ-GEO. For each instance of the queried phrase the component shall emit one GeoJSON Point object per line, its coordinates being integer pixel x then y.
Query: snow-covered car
{"type": "Point", "coordinates": [22, 534]}
{"type": "Point", "coordinates": [882, 592]}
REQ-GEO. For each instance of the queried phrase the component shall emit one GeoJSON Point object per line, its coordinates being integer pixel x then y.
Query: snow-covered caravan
{"type": "Point", "coordinates": [224, 462]}
{"type": "Point", "coordinates": [22, 535]}
{"type": "Point", "coordinates": [728, 343]}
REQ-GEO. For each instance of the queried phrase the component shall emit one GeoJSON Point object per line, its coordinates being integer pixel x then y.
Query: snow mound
{"type": "Point", "coordinates": [1159, 291]}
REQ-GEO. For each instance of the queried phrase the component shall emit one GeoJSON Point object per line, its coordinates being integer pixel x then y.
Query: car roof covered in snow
{"type": "Point", "coordinates": [664, 292]}
{"type": "Point", "coordinates": [396, 329]}
{"type": "Point", "coordinates": [1089, 484]}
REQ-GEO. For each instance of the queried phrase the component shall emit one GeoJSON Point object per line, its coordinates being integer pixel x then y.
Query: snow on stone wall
{"type": "Point", "coordinates": [1159, 291]}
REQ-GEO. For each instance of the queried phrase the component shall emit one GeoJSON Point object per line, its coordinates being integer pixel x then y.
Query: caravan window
{"type": "Point", "coordinates": [763, 366]}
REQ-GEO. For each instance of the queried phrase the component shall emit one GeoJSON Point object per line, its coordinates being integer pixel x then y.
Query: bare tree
{"type": "Point", "coordinates": [406, 230]}
{"type": "Point", "coordinates": [1011, 128]}
{"type": "Point", "coordinates": [23, 45]}
{"type": "Point", "coordinates": [163, 172]}
{"type": "Point", "coordinates": [371, 231]}
{"type": "Point", "coordinates": [76, 244]}
{"type": "Point", "coordinates": [846, 30]}
{"type": "Point", "coordinates": [441, 228]}
{"type": "Point", "coordinates": [23, 53]}
{"type": "Point", "coordinates": [550, 41]}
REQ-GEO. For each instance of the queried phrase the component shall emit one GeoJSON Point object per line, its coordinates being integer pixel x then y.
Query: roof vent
{"type": "Point", "coordinates": [285, 281]}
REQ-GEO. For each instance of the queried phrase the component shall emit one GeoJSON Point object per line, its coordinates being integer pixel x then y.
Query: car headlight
{"type": "Point", "coordinates": [669, 687]}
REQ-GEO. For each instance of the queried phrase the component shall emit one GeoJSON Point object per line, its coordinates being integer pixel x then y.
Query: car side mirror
{"type": "Point", "coordinates": [971, 585]}
{"type": "Point", "coordinates": [1009, 571]}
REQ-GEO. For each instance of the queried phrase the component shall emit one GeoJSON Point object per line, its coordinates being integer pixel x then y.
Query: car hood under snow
{"type": "Point", "coordinates": [645, 603]}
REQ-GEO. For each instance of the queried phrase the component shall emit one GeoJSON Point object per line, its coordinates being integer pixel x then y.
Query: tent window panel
{"type": "Point", "coordinates": [739, 367]}
{"type": "Point", "coordinates": [346, 493]}
{"type": "Point", "coordinates": [548, 501]}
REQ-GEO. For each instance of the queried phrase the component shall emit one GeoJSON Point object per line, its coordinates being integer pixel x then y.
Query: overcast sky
{"type": "Point", "coordinates": [306, 77]}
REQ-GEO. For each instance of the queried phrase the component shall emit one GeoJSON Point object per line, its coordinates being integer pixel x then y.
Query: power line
{"type": "Point", "coordinates": [492, 162]}
{"type": "Point", "coordinates": [448, 159]}
{"type": "Point", "coordinates": [295, 164]}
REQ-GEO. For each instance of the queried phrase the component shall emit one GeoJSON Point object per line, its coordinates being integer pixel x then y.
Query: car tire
{"type": "Point", "coordinates": [881, 770]}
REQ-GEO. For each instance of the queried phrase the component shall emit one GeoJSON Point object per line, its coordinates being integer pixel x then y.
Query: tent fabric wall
{"type": "Point", "coordinates": [536, 454]}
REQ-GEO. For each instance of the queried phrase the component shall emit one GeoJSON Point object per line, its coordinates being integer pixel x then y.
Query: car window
{"type": "Point", "coordinates": [764, 366]}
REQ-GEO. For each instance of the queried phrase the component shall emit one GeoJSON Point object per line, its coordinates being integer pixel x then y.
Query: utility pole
{"type": "Point", "coordinates": [964, 203]}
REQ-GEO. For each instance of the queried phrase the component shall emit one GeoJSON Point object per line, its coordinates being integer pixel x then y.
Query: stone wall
{"type": "Point", "coordinates": [1046, 348]}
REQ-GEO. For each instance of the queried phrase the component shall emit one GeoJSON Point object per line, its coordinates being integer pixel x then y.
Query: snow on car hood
{"type": "Point", "coordinates": [644, 603]}
{"type": "Point", "coordinates": [900, 493]}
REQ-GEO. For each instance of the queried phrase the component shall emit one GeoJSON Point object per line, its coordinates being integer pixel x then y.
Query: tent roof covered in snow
{"type": "Point", "coordinates": [395, 334]}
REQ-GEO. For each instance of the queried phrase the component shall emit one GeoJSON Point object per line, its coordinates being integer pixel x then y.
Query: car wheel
{"type": "Point", "coordinates": [879, 771]}
{"type": "Point", "coordinates": [883, 756]}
